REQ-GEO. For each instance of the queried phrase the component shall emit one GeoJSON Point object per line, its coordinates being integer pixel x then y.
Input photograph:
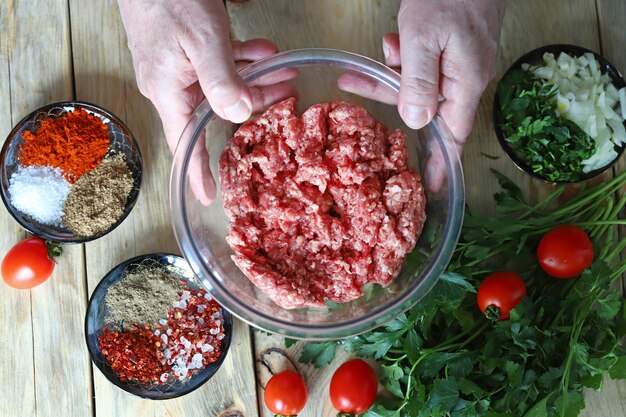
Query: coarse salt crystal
{"type": "Point", "coordinates": [207, 348]}
{"type": "Point", "coordinates": [200, 320]}
{"type": "Point", "coordinates": [185, 295]}
{"type": "Point", "coordinates": [200, 309]}
{"type": "Point", "coordinates": [164, 338]}
{"type": "Point", "coordinates": [40, 192]}
{"type": "Point", "coordinates": [157, 332]}
{"type": "Point", "coordinates": [208, 296]}
{"type": "Point", "coordinates": [164, 377]}
{"type": "Point", "coordinates": [162, 322]}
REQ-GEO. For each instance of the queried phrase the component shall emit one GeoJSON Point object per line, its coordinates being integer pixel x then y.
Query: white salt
{"type": "Point", "coordinates": [39, 192]}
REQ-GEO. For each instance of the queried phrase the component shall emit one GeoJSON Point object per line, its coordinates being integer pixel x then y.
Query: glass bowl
{"type": "Point", "coordinates": [535, 57]}
{"type": "Point", "coordinates": [96, 320]}
{"type": "Point", "coordinates": [201, 229]}
{"type": "Point", "coordinates": [121, 142]}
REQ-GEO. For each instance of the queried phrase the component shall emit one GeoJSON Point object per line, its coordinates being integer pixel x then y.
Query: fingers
{"type": "Point", "coordinates": [253, 49]}
{"type": "Point", "coordinates": [419, 87]}
{"type": "Point", "coordinates": [201, 181]}
{"type": "Point", "coordinates": [210, 52]}
{"type": "Point", "coordinates": [391, 49]}
{"type": "Point", "coordinates": [367, 87]}
{"type": "Point", "coordinates": [435, 172]}
{"type": "Point", "coordinates": [263, 97]}
{"type": "Point", "coordinates": [175, 108]}
{"type": "Point", "coordinates": [459, 113]}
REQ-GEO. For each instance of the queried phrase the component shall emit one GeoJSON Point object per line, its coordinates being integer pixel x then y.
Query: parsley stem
{"type": "Point", "coordinates": [597, 194]}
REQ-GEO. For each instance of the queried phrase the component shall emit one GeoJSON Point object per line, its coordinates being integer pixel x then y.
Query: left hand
{"type": "Point", "coordinates": [446, 51]}
{"type": "Point", "coordinates": [446, 47]}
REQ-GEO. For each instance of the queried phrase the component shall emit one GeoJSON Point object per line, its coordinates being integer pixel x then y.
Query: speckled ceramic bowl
{"type": "Point", "coordinates": [201, 229]}
{"type": "Point", "coordinates": [121, 142]}
{"type": "Point", "coordinates": [96, 320]}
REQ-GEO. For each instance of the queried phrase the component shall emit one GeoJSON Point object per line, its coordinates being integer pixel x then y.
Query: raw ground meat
{"type": "Point", "coordinates": [319, 205]}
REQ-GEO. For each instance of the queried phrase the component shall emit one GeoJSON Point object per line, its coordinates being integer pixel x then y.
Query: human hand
{"type": "Point", "coordinates": [446, 51]}
{"type": "Point", "coordinates": [181, 53]}
{"type": "Point", "coordinates": [447, 48]}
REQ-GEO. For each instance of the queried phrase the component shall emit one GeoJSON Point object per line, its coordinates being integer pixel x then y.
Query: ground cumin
{"type": "Point", "coordinates": [144, 296]}
{"type": "Point", "coordinates": [97, 200]}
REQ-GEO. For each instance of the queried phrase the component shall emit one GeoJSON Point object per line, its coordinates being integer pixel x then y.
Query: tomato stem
{"type": "Point", "coordinates": [55, 250]}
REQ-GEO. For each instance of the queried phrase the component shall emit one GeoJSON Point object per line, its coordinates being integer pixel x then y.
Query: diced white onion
{"type": "Point", "coordinates": [588, 98]}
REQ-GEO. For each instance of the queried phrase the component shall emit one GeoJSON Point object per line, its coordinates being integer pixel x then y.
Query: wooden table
{"type": "Point", "coordinates": [53, 50]}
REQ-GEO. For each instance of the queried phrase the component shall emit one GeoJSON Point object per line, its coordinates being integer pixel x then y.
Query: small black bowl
{"type": "Point", "coordinates": [122, 142]}
{"type": "Point", "coordinates": [96, 320]}
{"type": "Point", "coordinates": [535, 57]}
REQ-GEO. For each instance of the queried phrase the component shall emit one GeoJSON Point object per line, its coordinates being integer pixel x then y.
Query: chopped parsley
{"type": "Point", "coordinates": [552, 146]}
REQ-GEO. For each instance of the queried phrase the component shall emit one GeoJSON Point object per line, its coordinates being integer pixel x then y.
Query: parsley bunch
{"type": "Point", "coordinates": [553, 146]}
{"type": "Point", "coordinates": [444, 358]}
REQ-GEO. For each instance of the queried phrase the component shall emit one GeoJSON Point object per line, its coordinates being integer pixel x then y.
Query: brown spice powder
{"type": "Point", "coordinates": [97, 200]}
{"type": "Point", "coordinates": [143, 296]}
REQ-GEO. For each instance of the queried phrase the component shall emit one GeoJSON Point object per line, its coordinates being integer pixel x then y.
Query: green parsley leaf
{"type": "Point", "coordinates": [318, 354]}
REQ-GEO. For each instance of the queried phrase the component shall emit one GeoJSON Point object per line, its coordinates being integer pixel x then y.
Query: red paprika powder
{"type": "Point", "coordinates": [75, 142]}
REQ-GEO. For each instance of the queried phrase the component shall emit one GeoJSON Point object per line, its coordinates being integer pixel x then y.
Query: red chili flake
{"type": "Point", "coordinates": [132, 354]}
{"type": "Point", "coordinates": [190, 339]}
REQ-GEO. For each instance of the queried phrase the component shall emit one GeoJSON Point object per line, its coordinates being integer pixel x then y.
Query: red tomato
{"type": "Point", "coordinates": [503, 290]}
{"type": "Point", "coordinates": [27, 264]}
{"type": "Point", "coordinates": [565, 251]}
{"type": "Point", "coordinates": [285, 393]}
{"type": "Point", "coordinates": [353, 387]}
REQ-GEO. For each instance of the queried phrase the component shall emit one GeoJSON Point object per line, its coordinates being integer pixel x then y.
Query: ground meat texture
{"type": "Point", "coordinates": [319, 205]}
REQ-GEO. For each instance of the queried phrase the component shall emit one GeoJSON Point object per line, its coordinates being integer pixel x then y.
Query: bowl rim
{"type": "Point", "coordinates": [533, 55]}
{"type": "Point", "coordinates": [316, 331]}
{"type": "Point", "coordinates": [158, 395]}
{"type": "Point", "coordinates": [99, 110]}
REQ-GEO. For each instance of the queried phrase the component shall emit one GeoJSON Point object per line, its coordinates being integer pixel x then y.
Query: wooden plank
{"type": "Point", "coordinates": [104, 75]}
{"type": "Point", "coordinates": [527, 25]}
{"type": "Point", "coordinates": [15, 320]}
{"type": "Point", "coordinates": [352, 25]}
{"type": "Point", "coordinates": [610, 401]}
{"type": "Point", "coordinates": [42, 327]}
{"type": "Point", "coordinates": [356, 26]}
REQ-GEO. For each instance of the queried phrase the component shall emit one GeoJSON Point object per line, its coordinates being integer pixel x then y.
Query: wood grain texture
{"type": "Point", "coordinates": [611, 399]}
{"type": "Point", "coordinates": [15, 317]}
{"type": "Point", "coordinates": [356, 26]}
{"type": "Point", "coordinates": [104, 75]}
{"type": "Point", "coordinates": [43, 326]}
{"type": "Point", "coordinates": [527, 25]}
{"type": "Point", "coordinates": [272, 357]}
{"type": "Point", "coordinates": [352, 25]}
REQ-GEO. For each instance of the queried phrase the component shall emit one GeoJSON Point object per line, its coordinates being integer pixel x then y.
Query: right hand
{"type": "Point", "coordinates": [182, 53]}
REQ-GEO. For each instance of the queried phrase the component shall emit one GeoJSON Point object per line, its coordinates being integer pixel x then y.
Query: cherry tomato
{"type": "Point", "coordinates": [353, 387]}
{"type": "Point", "coordinates": [565, 251]}
{"type": "Point", "coordinates": [285, 393]}
{"type": "Point", "coordinates": [502, 290]}
{"type": "Point", "coordinates": [28, 263]}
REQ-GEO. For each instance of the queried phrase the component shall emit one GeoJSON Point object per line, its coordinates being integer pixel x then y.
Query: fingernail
{"type": "Point", "coordinates": [238, 112]}
{"type": "Point", "coordinates": [415, 117]}
{"type": "Point", "coordinates": [385, 49]}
